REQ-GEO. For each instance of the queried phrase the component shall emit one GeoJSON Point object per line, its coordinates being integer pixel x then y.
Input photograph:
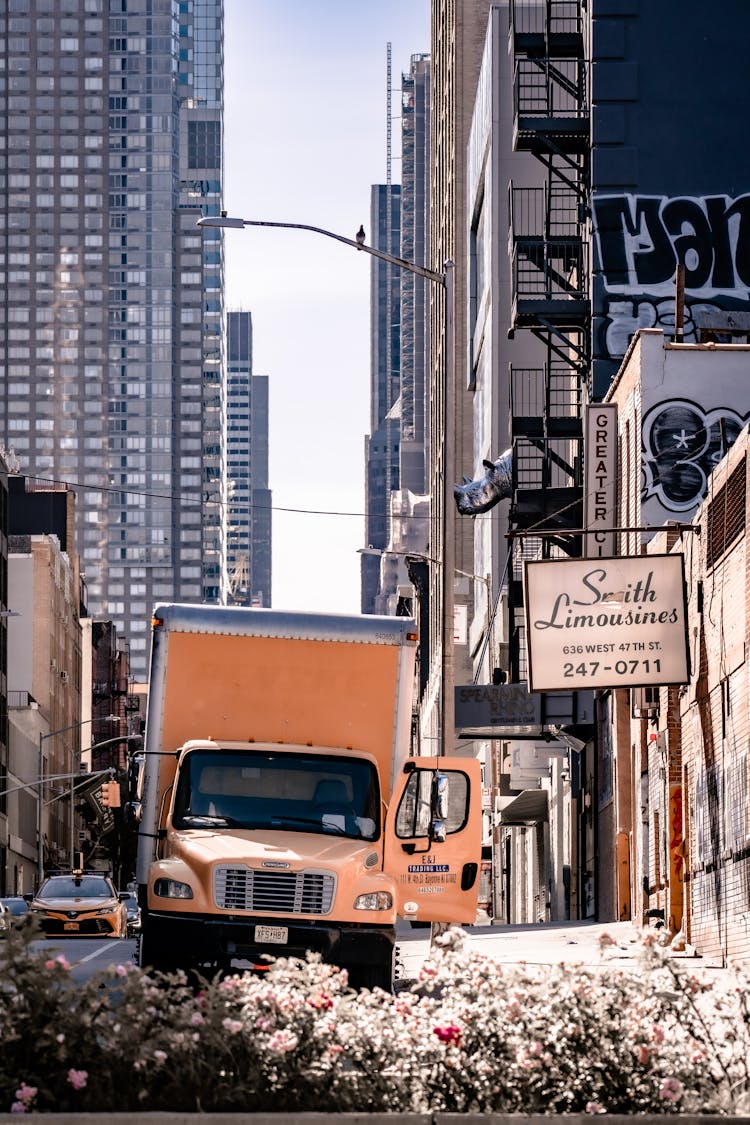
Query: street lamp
{"type": "Point", "coordinates": [420, 556]}
{"type": "Point", "coordinates": [40, 804]}
{"type": "Point", "coordinates": [445, 280]}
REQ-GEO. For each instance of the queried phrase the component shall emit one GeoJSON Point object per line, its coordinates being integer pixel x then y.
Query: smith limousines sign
{"type": "Point", "coordinates": [596, 623]}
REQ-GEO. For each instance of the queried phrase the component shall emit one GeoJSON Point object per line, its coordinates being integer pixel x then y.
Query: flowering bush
{"type": "Point", "coordinates": [469, 1036]}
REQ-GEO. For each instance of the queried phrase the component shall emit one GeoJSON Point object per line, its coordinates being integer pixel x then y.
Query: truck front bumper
{"type": "Point", "coordinates": [204, 938]}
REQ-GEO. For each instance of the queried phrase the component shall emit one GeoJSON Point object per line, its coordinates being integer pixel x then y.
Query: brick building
{"type": "Point", "coordinates": [672, 782]}
{"type": "Point", "coordinates": [715, 718]}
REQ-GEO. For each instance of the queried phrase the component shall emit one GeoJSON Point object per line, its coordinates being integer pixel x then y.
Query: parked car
{"type": "Point", "coordinates": [82, 904]}
{"type": "Point", "coordinates": [12, 911]}
{"type": "Point", "coordinates": [134, 911]}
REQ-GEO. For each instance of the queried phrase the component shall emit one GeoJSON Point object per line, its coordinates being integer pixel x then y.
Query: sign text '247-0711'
{"type": "Point", "coordinates": [597, 623]}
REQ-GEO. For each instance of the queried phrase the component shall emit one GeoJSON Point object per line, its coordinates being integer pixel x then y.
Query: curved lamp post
{"type": "Point", "coordinates": [445, 280]}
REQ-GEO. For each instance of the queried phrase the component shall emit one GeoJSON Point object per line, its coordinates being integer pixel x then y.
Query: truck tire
{"type": "Point", "coordinates": [153, 955]}
{"type": "Point", "coordinates": [378, 975]}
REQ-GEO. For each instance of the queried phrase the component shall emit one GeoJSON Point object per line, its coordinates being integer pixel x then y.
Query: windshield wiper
{"type": "Point", "coordinates": [280, 821]}
{"type": "Point", "coordinates": [198, 821]}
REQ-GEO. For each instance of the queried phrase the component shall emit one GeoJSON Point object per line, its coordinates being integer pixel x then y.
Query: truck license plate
{"type": "Point", "coordinates": [278, 935]}
{"type": "Point", "coordinates": [70, 925]}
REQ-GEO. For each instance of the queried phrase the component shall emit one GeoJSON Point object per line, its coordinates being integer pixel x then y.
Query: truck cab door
{"type": "Point", "coordinates": [433, 839]}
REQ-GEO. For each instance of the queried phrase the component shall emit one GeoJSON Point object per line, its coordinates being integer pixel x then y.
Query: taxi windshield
{"type": "Point", "coordinates": [65, 886]}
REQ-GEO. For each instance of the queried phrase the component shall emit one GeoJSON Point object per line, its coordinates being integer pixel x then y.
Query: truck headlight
{"type": "Point", "coordinates": [375, 900]}
{"type": "Point", "coordinates": [172, 888]}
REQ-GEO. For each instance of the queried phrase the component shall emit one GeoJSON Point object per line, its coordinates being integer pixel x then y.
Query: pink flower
{"type": "Point", "coordinates": [322, 1001]}
{"type": "Point", "coordinates": [282, 1041]}
{"type": "Point", "coordinates": [160, 1056]}
{"type": "Point", "coordinates": [24, 1097]}
{"type": "Point", "coordinates": [644, 1054]}
{"type": "Point", "coordinates": [196, 1019]}
{"type": "Point", "coordinates": [78, 1078]}
{"type": "Point", "coordinates": [594, 1107]}
{"type": "Point", "coordinates": [59, 960]}
{"type": "Point", "coordinates": [671, 1089]}
{"type": "Point", "coordinates": [451, 1034]}
{"type": "Point", "coordinates": [232, 1026]}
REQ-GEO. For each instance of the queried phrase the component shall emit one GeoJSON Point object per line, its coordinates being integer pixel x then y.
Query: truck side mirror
{"type": "Point", "coordinates": [440, 796]}
{"type": "Point", "coordinates": [438, 831]}
{"type": "Point", "coordinates": [439, 808]}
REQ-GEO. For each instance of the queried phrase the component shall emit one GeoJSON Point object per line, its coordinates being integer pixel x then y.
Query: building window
{"type": "Point", "coordinates": [204, 144]}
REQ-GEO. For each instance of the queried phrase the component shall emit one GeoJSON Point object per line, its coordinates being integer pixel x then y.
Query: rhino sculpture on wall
{"type": "Point", "coordinates": [475, 496]}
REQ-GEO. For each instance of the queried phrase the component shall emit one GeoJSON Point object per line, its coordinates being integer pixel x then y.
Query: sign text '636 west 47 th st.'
{"type": "Point", "coordinates": [596, 623]}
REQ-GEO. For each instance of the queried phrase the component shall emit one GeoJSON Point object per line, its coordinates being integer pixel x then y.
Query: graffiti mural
{"type": "Point", "coordinates": [682, 444]}
{"type": "Point", "coordinates": [640, 240]}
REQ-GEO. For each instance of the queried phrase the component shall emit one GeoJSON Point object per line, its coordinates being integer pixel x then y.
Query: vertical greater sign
{"type": "Point", "coordinates": [600, 473]}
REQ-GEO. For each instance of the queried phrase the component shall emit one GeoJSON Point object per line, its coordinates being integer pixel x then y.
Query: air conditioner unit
{"type": "Point", "coordinates": [645, 702]}
{"type": "Point", "coordinates": [64, 677]}
{"type": "Point", "coordinates": [53, 664]}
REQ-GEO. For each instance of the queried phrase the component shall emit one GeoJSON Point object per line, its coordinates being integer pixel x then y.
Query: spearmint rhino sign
{"type": "Point", "coordinates": [601, 623]}
{"type": "Point", "coordinates": [640, 241]}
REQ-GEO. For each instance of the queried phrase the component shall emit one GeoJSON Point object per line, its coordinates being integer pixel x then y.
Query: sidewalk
{"type": "Point", "coordinates": [551, 943]}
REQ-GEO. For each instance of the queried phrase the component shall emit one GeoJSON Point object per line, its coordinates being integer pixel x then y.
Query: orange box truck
{"type": "Point", "coordinates": [280, 807]}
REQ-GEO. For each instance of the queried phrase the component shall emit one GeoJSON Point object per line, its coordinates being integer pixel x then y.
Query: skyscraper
{"type": "Point", "coordinates": [112, 360]}
{"type": "Point", "coordinates": [383, 442]}
{"type": "Point", "coordinates": [415, 294]}
{"type": "Point", "coordinates": [396, 450]}
{"type": "Point", "coordinates": [249, 498]}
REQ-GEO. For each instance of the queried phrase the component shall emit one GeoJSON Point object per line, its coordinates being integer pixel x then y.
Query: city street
{"type": "Point", "coordinates": [87, 956]}
{"type": "Point", "coordinates": [540, 944]}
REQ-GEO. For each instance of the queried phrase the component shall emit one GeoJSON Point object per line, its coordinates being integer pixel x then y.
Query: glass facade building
{"type": "Point", "coordinates": [112, 365]}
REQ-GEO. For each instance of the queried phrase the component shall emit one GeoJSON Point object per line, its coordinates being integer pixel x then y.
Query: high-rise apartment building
{"type": "Point", "coordinates": [249, 497]}
{"type": "Point", "coordinates": [112, 362]}
{"type": "Point", "coordinates": [262, 511]}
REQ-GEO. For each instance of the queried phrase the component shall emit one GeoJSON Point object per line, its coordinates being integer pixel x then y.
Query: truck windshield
{"type": "Point", "coordinates": [290, 791]}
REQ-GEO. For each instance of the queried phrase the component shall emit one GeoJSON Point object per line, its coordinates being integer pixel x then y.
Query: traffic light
{"type": "Point", "coordinates": [111, 794]}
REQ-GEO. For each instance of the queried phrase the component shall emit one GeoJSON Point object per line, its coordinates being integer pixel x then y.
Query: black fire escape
{"type": "Point", "coordinates": [549, 291]}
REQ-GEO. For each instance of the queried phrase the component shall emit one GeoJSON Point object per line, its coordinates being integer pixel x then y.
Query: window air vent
{"type": "Point", "coordinates": [725, 517]}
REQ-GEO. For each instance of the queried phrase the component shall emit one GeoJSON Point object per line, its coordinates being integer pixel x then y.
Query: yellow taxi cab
{"type": "Point", "coordinates": [82, 904]}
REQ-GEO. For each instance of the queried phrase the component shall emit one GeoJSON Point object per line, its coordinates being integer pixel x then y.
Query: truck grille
{"type": "Point", "coordinates": [273, 892]}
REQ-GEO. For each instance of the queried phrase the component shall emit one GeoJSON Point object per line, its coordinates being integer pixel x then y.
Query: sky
{"type": "Point", "coordinates": [305, 137]}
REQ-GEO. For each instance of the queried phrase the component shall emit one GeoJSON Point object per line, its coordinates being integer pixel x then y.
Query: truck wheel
{"type": "Point", "coordinates": [372, 976]}
{"type": "Point", "coordinates": [152, 955]}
